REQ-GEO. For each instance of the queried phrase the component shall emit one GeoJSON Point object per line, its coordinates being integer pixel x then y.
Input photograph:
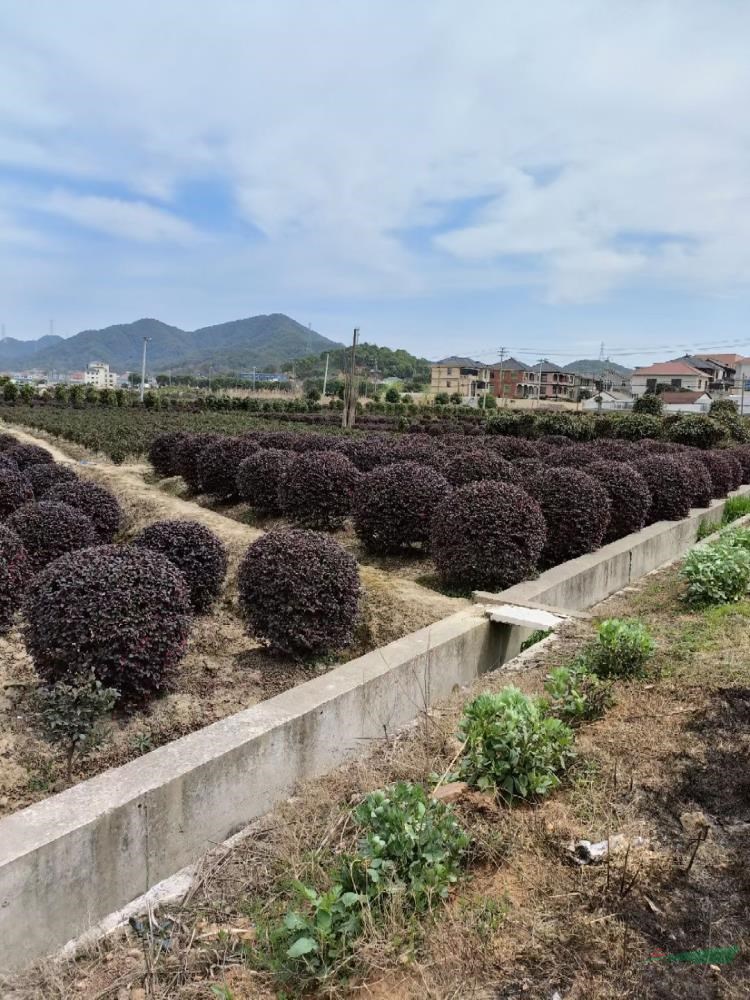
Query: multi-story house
{"type": "Point", "coordinates": [514, 379]}
{"type": "Point", "coordinates": [720, 373]}
{"type": "Point", "coordinates": [674, 374]}
{"type": "Point", "coordinates": [468, 378]}
{"type": "Point", "coordinates": [99, 375]}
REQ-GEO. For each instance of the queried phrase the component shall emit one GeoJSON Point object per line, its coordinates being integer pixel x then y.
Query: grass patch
{"type": "Point", "coordinates": [734, 508]}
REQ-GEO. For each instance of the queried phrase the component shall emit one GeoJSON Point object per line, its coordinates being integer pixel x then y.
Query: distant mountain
{"type": "Point", "coordinates": [264, 341]}
{"type": "Point", "coordinates": [590, 367]}
{"type": "Point", "coordinates": [15, 352]}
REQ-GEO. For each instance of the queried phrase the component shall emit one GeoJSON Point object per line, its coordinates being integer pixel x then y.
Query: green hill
{"type": "Point", "coordinates": [263, 341]}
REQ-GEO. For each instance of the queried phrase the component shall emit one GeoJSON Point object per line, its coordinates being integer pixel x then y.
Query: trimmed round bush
{"type": "Point", "coordinates": [629, 495]}
{"type": "Point", "coordinates": [8, 464]}
{"type": "Point", "coordinates": [259, 477]}
{"type": "Point", "coordinates": [97, 503]}
{"type": "Point", "coordinates": [650, 403]}
{"type": "Point", "coordinates": [577, 510]}
{"type": "Point", "coordinates": [119, 612]}
{"type": "Point", "coordinates": [671, 485]}
{"type": "Point", "coordinates": [163, 453]}
{"type": "Point", "coordinates": [284, 440]}
{"type": "Point", "coordinates": [49, 530]}
{"type": "Point", "coordinates": [45, 475]}
{"type": "Point", "coordinates": [472, 465]}
{"type": "Point", "coordinates": [7, 441]}
{"type": "Point", "coordinates": [15, 491]}
{"type": "Point", "coordinates": [697, 429]}
{"type": "Point", "coordinates": [573, 455]}
{"type": "Point", "coordinates": [527, 466]}
{"type": "Point", "coordinates": [513, 448]}
{"type": "Point", "coordinates": [721, 470]}
{"type": "Point", "coordinates": [15, 572]}
{"type": "Point", "coordinates": [368, 452]}
{"type": "Point", "coordinates": [701, 480]}
{"type": "Point", "coordinates": [197, 553]}
{"type": "Point", "coordinates": [487, 535]}
{"type": "Point", "coordinates": [742, 454]}
{"type": "Point", "coordinates": [636, 426]}
{"type": "Point", "coordinates": [419, 448]}
{"type": "Point", "coordinates": [611, 450]}
{"type": "Point", "coordinates": [29, 454]}
{"type": "Point", "coordinates": [318, 489]}
{"type": "Point", "coordinates": [217, 465]}
{"type": "Point", "coordinates": [395, 504]}
{"type": "Point", "coordinates": [736, 467]}
{"type": "Point", "coordinates": [576, 426]}
{"type": "Point", "coordinates": [548, 443]}
{"type": "Point", "coordinates": [188, 452]}
{"type": "Point", "coordinates": [299, 592]}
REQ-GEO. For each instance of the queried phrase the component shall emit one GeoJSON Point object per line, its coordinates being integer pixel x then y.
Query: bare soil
{"type": "Point", "coordinates": [224, 670]}
{"type": "Point", "coordinates": [669, 764]}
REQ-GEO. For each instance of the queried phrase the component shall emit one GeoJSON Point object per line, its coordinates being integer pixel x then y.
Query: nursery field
{"type": "Point", "coordinates": [223, 668]}
{"type": "Point", "coordinates": [404, 527]}
{"type": "Point", "coordinates": [126, 434]}
{"type": "Point", "coordinates": [612, 865]}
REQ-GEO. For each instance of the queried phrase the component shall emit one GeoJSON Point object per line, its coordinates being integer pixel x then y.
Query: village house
{"type": "Point", "coordinates": [514, 379]}
{"type": "Point", "coordinates": [468, 378]}
{"type": "Point", "coordinates": [674, 374]}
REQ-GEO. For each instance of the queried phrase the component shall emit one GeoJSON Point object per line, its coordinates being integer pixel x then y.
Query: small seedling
{"type": "Point", "coordinates": [71, 713]}
{"type": "Point", "coordinates": [621, 649]}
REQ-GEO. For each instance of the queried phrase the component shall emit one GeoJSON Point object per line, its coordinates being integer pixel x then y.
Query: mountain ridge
{"type": "Point", "coordinates": [591, 366]}
{"type": "Point", "coordinates": [264, 341]}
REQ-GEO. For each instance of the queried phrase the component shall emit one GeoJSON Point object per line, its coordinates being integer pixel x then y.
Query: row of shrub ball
{"type": "Point", "coordinates": [418, 491]}
{"type": "Point", "coordinates": [123, 612]}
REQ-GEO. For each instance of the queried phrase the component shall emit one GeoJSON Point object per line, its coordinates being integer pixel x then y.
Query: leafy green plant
{"type": "Point", "coordinates": [621, 648]}
{"type": "Point", "coordinates": [718, 573]}
{"type": "Point", "coordinates": [575, 694]}
{"type": "Point", "coordinates": [71, 713]}
{"type": "Point", "coordinates": [409, 841]}
{"type": "Point", "coordinates": [513, 745]}
{"type": "Point", "coordinates": [315, 941]}
{"type": "Point", "coordinates": [536, 636]}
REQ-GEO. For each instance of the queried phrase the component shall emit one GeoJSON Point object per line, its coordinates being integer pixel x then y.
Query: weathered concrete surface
{"type": "Point", "coordinates": [580, 583]}
{"type": "Point", "coordinates": [72, 859]}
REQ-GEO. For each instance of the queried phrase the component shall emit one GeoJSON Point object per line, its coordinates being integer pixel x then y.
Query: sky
{"type": "Point", "coordinates": [452, 177]}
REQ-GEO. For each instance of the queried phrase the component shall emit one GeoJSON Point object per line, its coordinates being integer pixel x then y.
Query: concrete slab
{"type": "Point", "coordinates": [531, 618]}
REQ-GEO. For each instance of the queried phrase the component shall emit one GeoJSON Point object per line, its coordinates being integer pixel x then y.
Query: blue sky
{"type": "Point", "coordinates": [450, 177]}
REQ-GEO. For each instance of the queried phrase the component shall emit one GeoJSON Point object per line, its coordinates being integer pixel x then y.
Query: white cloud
{"type": "Point", "coordinates": [129, 220]}
{"type": "Point", "coordinates": [337, 126]}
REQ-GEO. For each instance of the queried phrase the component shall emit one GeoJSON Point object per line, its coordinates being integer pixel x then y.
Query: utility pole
{"type": "Point", "coordinates": [325, 377]}
{"type": "Point", "coordinates": [210, 367]}
{"type": "Point", "coordinates": [350, 395]}
{"type": "Point", "coordinates": [539, 384]}
{"type": "Point", "coordinates": [254, 370]}
{"type": "Point", "coordinates": [501, 373]}
{"type": "Point", "coordinates": [146, 341]}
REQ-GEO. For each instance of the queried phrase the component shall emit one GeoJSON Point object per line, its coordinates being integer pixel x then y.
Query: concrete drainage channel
{"type": "Point", "coordinates": [69, 862]}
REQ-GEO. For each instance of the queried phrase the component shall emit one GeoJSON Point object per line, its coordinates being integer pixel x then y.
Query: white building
{"type": "Point", "coordinates": [671, 374]}
{"type": "Point", "coordinates": [99, 375]}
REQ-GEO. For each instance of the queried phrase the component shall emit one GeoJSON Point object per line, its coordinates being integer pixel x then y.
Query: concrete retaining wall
{"type": "Point", "coordinates": [76, 857]}
{"type": "Point", "coordinates": [72, 859]}
{"type": "Point", "coordinates": [583, 582]}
